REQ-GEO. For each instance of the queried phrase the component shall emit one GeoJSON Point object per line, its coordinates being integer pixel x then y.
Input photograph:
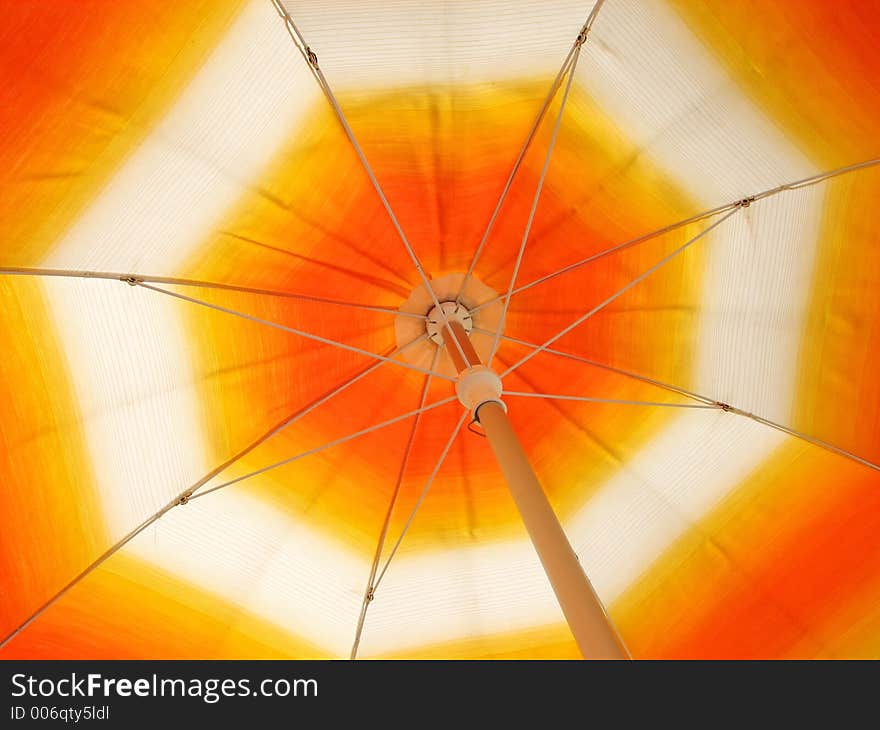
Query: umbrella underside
{"type": "Point", "coordinates": [204, 297]}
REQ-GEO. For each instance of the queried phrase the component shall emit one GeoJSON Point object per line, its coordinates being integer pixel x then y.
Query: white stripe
{"type": "Point", "coordinates": [671, 98]}
{"type": "Point", "coordinates": [126, 350]}
{"type": "Point", "coordinates": [221, 134]}
{"type": "Point", "coordinates": [364, 45]}
{"type": "Point", "coordinates": [259, 559]}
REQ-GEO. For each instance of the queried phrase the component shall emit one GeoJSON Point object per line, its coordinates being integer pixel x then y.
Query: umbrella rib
{"type": "Point", "coordinates": [292, 330]}
{"type": "Point", "coordinates": [534, 208]}
{"type": "Point", "coordinates": [528, 141]}
{"type": "Point", "coordinates": [602, 366]}
{"type": "Point", "coordinates": [312, 60]}
{"type": "Point", "coordinates": [128, 278]}
{"type": "Point", "coordinates": [804, 182]}
{"type": "Point", "coordinates": [728, 408]}
{"type": "Point", "coordinates": [591, 399]}
{"type": "Point", "coordinates": [184, 496]}
{"type": "Point", "coordinates": [89, 569]}
{"type": "Point", "coordinates": [516, 165]}
{"type": "Point", "coordinates": [662, 262]}
{"type": "Point", "coordinates": [608, 251]}
{"type": "Point", "coordinates": [298, 40]}
{"type": "Point", "coordinates": [368, 594]}
{"type": "Point", "coordinates": [422, 495]}
{"type": "Point", "coordinates": [705, 400]}
{"type": "Point", "coordinates": [336, 268]}
{"type": "Point", "coordinates": [328, 445]}
{"type": "Point", "coordinates": [801, 435]}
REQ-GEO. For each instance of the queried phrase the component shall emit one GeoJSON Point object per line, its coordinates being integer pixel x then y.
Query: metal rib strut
{"type": "Point", "coordinates": [292, 330]}
{"type": "Point", "coordinates": [796, 185]}
{"type": "Point", "coordinates": [578, 42]}
{"type": "Point", "coordinates": [534, 208]}
{"type": "Point", "coordinates": [328, 445]}
{"type": "Point", "coordinates": [149, 278]}
{"type": "Point", "coordinates": [185, 495]}
{"type": "Point", "coordinates": [421, 498]}
{"type": "Point", "coordinates": [620, 292]}
{"type": "Point", "coordinates": [380, 545]}
{"type": "Point", "coordinates": [312, 60]}
{"type": "Point", "coordinates": [592, 399]}
{"type": "Point", "coordinates": [706, 401]}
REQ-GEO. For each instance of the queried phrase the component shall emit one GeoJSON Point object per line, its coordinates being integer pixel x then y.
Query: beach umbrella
{"type": "Point", "coordinates": [462, 329]}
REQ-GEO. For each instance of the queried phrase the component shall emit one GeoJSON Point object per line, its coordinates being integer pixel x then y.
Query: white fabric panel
{"type": "Point", "coordinates": [133, 383]}
{"type": "Point", "coordinates": [661, 493]}
{"type": "Point", "coordinates": [501, 587]}
{"type": "Point", "coordinates": [672, 98]}
{"type": "Point", "coordinates": [220, 135]}
{"type": "Point", "coordinates": [129, 364]}
{"type": "Point", "coordinates": [471, 590]}
{"type": "Point", "coordinates": [756, 290]}
{"type": "Point", "coordinates": [127, 351]}
{"type": "Point", "coordinates": [365, 45]}
{"type": "Point", "coordinates": [264, 562]}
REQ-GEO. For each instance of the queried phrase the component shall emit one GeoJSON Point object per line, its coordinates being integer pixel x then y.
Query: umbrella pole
{"type": "Point", "coordinates": [593, 631]}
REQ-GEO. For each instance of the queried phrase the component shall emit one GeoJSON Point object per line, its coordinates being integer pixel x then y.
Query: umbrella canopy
{"type": "Point", "coordinates": [226, 431]}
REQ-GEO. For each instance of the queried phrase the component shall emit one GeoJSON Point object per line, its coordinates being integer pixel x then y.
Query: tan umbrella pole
{"type": "Point", "coordinates": [586, 616]}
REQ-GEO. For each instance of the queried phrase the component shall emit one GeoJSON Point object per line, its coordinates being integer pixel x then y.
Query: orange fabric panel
{"type": "Point", "coordinates": [785, 567]}
{"type": "Point", "coordinates": [441, 157]}
{"type": "Point", "coordinates": [128, 609]}
{"type": "Point", "coordinates": [839, 385]}
{"type": "Point", "coordinates": [812, 65]}
{"type": "Point", "coordinates": [81, 82]}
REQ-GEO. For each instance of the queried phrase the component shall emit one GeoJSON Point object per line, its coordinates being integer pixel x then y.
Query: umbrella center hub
{"type": "Point", "coordinates": [421, 340]}
{"type": "Point", "coordinates": [449, 311]}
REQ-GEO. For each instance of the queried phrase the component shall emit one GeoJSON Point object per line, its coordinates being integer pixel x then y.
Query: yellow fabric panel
{"type": "Point", "coordinates": [839, 386]}
{"type": "Point", "coordinates": [551, 642]}
{"type": "Point", "coordinates": [52, 522]}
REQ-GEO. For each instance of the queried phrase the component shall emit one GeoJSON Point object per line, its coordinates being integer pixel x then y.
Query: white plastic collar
{"type": "Point", "coordinates": [478, 385]}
